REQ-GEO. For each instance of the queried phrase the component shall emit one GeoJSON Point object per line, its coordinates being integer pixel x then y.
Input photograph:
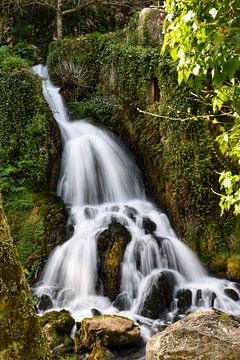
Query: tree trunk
{"type": "Point", "coordinates": [59, 19]}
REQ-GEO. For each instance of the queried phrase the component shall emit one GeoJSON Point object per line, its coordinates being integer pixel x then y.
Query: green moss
{"type": "Point", "coordinates": [19, 324]}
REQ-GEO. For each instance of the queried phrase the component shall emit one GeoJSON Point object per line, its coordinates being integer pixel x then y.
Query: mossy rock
{"type": "Point", "coordinates": [150, 27]}
{"type": "Point", "coordinates": [57, 327]}
{"type": "Point", "coordinates": [109, 330]}
{"type": "Point", "coordinates": [111, 245]}
{"type": "Point", "coordinates": [21, 336]}
{"type": "Point", "coordinates": [99, 352]}
{"type": "Point", "coordinates": [36, 229]}
{"type": "Point", "coordinates": [233, 268]}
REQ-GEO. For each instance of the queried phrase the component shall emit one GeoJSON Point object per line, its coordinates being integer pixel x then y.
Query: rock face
{"type": "Point", "coordinates": [111, 245]}
{"type": "Point", "coordinates": [160, 295]}
{"type": "Point", "coordinates": [57, 328]}
{"type": "Point", "coordinates": [200, 336]}
{"type": "Point", "coordinates": [150, 26]}
{"type": "Point", "coordinates": [109, 331]}
{"type": "Point", "coordinates": [21, 336]}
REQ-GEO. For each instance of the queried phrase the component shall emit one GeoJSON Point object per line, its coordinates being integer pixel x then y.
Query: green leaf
{"type": "Point", "coordinates": [230, 68]}
{"type": "Point", "coordinates": [235, 39]}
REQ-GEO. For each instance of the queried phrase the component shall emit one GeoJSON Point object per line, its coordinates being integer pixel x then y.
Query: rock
{"type": "Point", "coordinates": [90, 213]}
{"type": "Point", "coordinates": [160, 296]}
{"type": "Point", "coordinates": [150, 26]}
{"type": "Point", "coordinates": [130, 212]}
{"type": "Point", "coordinates": [148, 225]}
{"type": "Point", "coordinates": [232, 294]}
{"type": "Point", "coordinates": [45, 303]}
{"type": "Point", "coordinates": [100, 353]}
{"type": "Point", "coordinates": [184, 297]}
{"type": "Point", "coordinates": [21, 336]}
{"type": "Point", "coordinates": [199, 297]}
{"type": "Point", "coordinates": [122, 301]}
{"type": "Point", "coordinates": [96, 312]}
{"type": "Point", "coordinates": [199, 336]}
{"type": "Point", "coordinates": [57, 326]}
{"type": "Point", "coordinates": [111, 245]}
{"type": "Point", "coordinates": [108, 330]}
{"type": "Point", "coordinates": [233, 268]}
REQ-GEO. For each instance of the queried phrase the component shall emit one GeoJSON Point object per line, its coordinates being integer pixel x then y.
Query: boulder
{"type": "Point", "coordinates": [160, 295]}
{"type": "Point", "coordinates": [99, 352]}
{"type": "Point", "coordinates": [21, 336]}
{"type": "Point", "coordinates": [199, 336]}
{"type": "Point", "coordinates": [107, 330]}
{"type": "Point", "coordinates": [111, 245]}
{"type": "Point", "coordinates": [57, 327]}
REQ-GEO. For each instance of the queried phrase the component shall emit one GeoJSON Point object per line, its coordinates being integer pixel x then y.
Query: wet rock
{"type": "Point", "coordinates": [100, 353]}
{"type": "Point", "coordinates": [199, 336]}
{"type": "Point", "coordinates": [107, 330]}
{"type": "Point", "coordinates": [232, 294]}
{"type": "Point", "coordinates": [130, 212]}
{"type": "Point", "coordinates": [96, 312]}
{"type": "Point", "coordinates": [184, 297]}
{"type": "Point", "coordinates": [111, 245]}
{"type": "Point", "coordinates": [45, 303]}
{"type": "Point", "coordinates": [20, 332]}
{"type": "Point", "coordinates": [57, 327]}
{"type": "Point", "coordinates": [198, 297]}
{"type": "Point", "coordinates": [160, 295]}
{"type": "Point", "coordinates": [122, 302]}
{"type": "Point", "coordinates": [90, 213]}
{"type": "Point", "coordinates": [148, 225]}
{"type": "Point", "coordinates": [115, 208]}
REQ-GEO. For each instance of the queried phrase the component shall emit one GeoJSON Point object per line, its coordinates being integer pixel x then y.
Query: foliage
{"type": "Point", "coordinates": [24, 148]}
{"type": "Point", "coordinates": [97, 108]}
{"type": "Point", "coordinates": [204, 39]}
{"type": "Point", "coordinates": [26, 51]}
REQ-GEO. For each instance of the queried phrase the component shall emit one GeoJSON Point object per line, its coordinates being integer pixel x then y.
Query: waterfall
{"type": "Point", "coordinates": [100, 182]}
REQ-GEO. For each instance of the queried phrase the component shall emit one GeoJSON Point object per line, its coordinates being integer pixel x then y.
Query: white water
{"type": "Point", "coordinates": [99, 182]}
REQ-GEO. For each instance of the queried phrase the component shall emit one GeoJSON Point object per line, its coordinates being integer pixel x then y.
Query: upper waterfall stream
{"type": "Point", "coordinates": [99, 182]}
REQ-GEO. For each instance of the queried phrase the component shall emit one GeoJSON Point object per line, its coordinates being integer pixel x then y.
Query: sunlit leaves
{"type": "Point", "coordinates": [204, 39]}
{"type": "Point", "coordinates": [231, 185]}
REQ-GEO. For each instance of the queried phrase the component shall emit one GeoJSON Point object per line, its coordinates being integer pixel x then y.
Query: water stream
{"type": "Point", "coordinates": [99, 182]}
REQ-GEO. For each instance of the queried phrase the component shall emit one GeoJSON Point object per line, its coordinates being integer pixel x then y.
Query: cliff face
{"type": "Point", "coordinates": [21, 337]}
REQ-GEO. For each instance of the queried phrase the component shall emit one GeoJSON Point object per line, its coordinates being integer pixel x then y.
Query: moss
{"type": "Point", "coordinates": [233, 267]}
{"type": "Point", "coordinates": [111, 245]}
{"type": "Point", "coordinates": [19, 324]}
{"type": "Point", "coordinates": [36, 229]}
{"type": "Point", "coordinates": [57, 327]}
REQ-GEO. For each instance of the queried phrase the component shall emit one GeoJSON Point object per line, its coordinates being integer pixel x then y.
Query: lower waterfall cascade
{"type": "Point", "coordinates": [99, 183]}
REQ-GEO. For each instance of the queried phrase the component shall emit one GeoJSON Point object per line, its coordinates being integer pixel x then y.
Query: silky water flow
{"type": "Point", "coordinates": [99, 182]}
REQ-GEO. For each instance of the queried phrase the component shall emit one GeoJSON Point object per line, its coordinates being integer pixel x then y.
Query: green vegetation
{"type": "Point", "coordinates": [204, 39]}
{"type": "Point", "coordinates": [29, 151]}
{"type": "Point", "coordinates": [21, 337]}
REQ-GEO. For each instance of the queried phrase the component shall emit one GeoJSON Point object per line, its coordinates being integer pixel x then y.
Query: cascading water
{"type": "Point", "coordinates": [99, 182]}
